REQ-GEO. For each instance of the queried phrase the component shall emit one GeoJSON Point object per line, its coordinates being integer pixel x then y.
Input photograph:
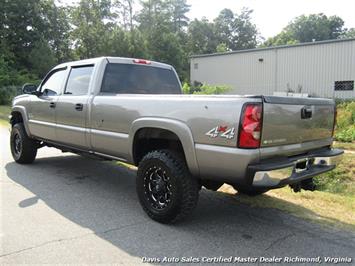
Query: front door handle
{"type": "Point", "coordinates": [79, 107]}
{"type": "Point", "coordinates": [52, 104]}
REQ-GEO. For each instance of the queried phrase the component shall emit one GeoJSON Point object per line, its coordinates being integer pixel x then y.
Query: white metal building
{"type": "Point", "coordinates": [317, 69]}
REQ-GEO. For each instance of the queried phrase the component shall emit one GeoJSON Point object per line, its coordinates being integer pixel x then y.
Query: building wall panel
{"type": "Point", "coordinates": [311, 69]}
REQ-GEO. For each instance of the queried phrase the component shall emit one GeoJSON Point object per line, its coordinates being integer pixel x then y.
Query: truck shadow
{"type": "Point", "coordinates": [101, 196]}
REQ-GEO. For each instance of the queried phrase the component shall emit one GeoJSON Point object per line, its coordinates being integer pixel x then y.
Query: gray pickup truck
{"type": "Point", "coordinates": [132, 110]}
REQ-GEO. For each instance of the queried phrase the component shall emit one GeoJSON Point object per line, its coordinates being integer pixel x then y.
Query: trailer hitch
{"type": "Point", "coordinates": [306, 184]}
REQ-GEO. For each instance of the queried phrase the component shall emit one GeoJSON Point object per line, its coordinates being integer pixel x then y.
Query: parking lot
{"type": "Point", "coordinates": [68, 209]}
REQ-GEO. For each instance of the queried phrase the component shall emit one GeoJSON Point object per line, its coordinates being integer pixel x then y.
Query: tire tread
{"type": "Point", "coordinates": [29, 146]}
{"type": "Point", "coordinates": [189, 184]}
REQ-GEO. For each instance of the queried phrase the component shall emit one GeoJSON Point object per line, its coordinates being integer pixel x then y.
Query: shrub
{"type": "Point", "coordinates": [12, 87]}
{"type": "Point", "coordinates": [186, 88]}
{"type": "Point", "coordinates": [205, 89]}
{"type": "Point", "coordinates": [344, 118]}
{"type": "Point", "coordinates": [346, 135]}
{"type": "Point", "coordinates": [345, 127]}
{"type": "Point", "coordinates": [212, 89]}
{"type": "Point", "coordinates": [7, 93]}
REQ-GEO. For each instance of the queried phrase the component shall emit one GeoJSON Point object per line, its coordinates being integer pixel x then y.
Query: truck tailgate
{"type": "Point", "coordinates": [288, 120]}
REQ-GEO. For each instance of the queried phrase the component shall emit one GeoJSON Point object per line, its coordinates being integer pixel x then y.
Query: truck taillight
{"type": "Point", "coordinates": [250, 126]}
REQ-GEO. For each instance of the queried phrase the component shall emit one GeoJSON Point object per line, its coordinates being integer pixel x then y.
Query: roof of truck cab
{"type": "Point", "coordinates": [80, 62]}
{"type": "Point", "coordinates": [111, 59]}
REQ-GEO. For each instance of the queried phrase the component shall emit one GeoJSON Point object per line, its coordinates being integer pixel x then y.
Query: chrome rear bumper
{"type": "Point", "coordinates": [277, 174]}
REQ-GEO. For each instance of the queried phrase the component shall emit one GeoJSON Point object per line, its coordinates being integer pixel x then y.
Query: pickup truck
{"type": "Point", "coordinates": [133, 110]}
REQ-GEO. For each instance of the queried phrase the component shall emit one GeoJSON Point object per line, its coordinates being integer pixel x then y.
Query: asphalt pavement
{"type": "Point", "coordinates": [66, 209]}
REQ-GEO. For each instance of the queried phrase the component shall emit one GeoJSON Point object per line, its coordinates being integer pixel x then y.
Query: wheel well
{"type": "Point", "coordinates": [149, 139]}
{"type": "Point", "coordinates": [16, 117]}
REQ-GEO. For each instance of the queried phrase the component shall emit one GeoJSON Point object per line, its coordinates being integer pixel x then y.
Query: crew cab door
{"type": "Point", "coordinates": [72, 108]}
{"type": "Point", "coordinates": [42, 111]}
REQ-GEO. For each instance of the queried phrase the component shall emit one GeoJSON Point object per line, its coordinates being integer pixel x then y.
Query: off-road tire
{"type": "Point", "coordinates": [183, 186]}
{"type": "Point", "coordinates": [23, 148]}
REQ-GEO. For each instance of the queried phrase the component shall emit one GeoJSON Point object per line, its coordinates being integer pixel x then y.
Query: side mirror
{"type": "Point", "coordinates": [29, 88]}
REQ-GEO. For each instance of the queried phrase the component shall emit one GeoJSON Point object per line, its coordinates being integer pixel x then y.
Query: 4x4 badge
{"type": "Point", "coordinates": [221, 131]}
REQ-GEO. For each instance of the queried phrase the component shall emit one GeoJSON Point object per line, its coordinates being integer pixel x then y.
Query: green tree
{"type": "Point", "coordinates": [21, 26]}
{"type": "Point", "coordinates": [127, 40]}
{"type": "Point", "coordinates": [315, 27]}
{"type": "Point", "coordinates": [350, 33]}
{"type": "Point", "coordinates": [245, 32]}
{"type": "Point", "coordinates": [154, 16]}
{"type": "Point", "coordinates": [283, 38]}
{"type": "Point", "coordinates": [31, 37]}
{"type": "Point", "coordinates": [224, 27]}
{"type": "Point", "coordinates": [236, 30]}
{"type": "Point", "coordinates": [58, 30]}
{"type": "Point", "coordinates": [92, 21]}
{"type": "Point", "coordinates": [201, 37]}
{"type": "Point", "coordinates": [178, 10]}
{"type": "Point", "coordinates": [221, 48]}
{"type": "Point", "coordinates": [180, 22]}
{"type": "Point", "coordinates": [42, 58]}
{"type": "Point", "coordinates": [125, 9]}
{"type": "Point", "coordinates": [5, 72]}
{"type": "Point", "coordinates": [156, 23]}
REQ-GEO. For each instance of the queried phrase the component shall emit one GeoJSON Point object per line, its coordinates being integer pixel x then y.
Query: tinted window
{"type": "Point", "coordinates": [79, 79]}
{"type": "Point", "coordinates": [53, 85]}
{"type": "Point", "coordinates": [127, 78]}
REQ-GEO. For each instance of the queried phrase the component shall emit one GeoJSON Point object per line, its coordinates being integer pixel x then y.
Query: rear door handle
{"type": "Point", "coordinates": [79, 107]}
{"type": "Point", "coordinates": [52, 104]}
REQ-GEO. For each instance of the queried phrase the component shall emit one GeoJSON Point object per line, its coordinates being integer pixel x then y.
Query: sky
{"type": "Point", "coordinates": [271, 16]}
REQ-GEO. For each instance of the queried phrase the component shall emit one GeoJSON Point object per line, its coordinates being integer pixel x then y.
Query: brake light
{"type": "Point", "coordinates": [250, 126]}
{"type": "Point", "coordinates": [141, 61]}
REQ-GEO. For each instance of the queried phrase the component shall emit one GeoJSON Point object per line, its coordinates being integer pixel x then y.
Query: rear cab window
{"type": "Point", "coordinates": [139, 79]}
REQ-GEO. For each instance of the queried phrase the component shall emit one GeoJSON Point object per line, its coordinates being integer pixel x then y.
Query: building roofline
{"type": "Point", "coordinates": [273, 47]}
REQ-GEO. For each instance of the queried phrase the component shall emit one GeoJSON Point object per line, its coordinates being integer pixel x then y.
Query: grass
{"type": "Point", "coordinates": [127, 165]}
{"type": "Point", "coordinates": [4, 115]}
{"type": "Point", "coordinates": [349, 146]}
{"type": "Point", "coordinates": [342, 179]}
{"type": "Point", "coordinates": [326, 208]}
{"type": "Point", "coordinates": [345, 127]}
{"type": "Point", "coordinates": [333, 204]}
